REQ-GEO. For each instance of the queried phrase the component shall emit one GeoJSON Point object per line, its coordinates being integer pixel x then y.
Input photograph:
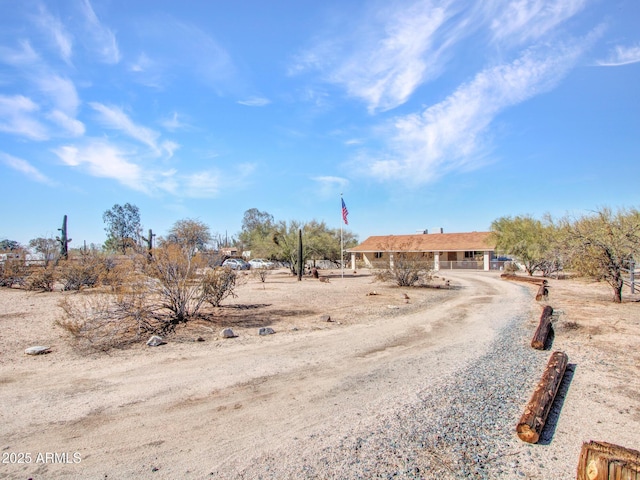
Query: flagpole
{"type": "Point", "coordinates": [341, 238]}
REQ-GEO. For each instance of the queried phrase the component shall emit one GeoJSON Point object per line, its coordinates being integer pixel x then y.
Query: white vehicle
{"type": "Point", "coordinates": [260, 263]}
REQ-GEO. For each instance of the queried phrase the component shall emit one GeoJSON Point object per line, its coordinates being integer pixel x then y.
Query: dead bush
{"type": "Point", "coordinates": [82, 271]}
{"type": "Point", "coordinates": [104, 321]}
{"type": "Point", "coordinates": [42, 278]}
{"type": "Point", "coordinates": [218, 284]}
{"type": "Point", "coordinates": [13, 271]}
{"type": "Point", "coordinates": [260, 273]}
{"type": "Point", "coordinates": [175, 284]}
{"type": "Point", "coordinates": [406, 272]}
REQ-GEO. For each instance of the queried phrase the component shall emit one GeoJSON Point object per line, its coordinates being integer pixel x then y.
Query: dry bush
{"type": "Point", "coordinates": [82, 271]}
{"type": "Point", "coordinates": [119, 274]}
{"type": "Point", "coordinates": [218, 284]}
{"type": "Point", "coordinates": [176, 286]}
{"type": "Point", "coordinates": [13, 271]}
{"type": "Point", "coordinates": [103, 321]}
{"type": "Point", "coordinates": [42, 278]}
{"type": "Point", "coordinates": [406, 272]}
{"type": "Point", "coordinates": [260, 273]}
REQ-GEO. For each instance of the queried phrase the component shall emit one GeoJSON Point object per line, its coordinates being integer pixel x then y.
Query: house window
{"type": "Point", "coordinates": [469, 254]}
{"type": "Point", "coordinates": [378, 255]}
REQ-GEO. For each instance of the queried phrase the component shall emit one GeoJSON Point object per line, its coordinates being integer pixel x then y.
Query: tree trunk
{"type": "Point", "coordinates": [536, 280]}
{"type": "Point", "coordinates": [544, 328]}
{"type": "Point", "coordinates": [605, 461]}
{"type": "Point", "coordinates": [535, 413]}
{"type": "Point", "coordinates": [300, 266]}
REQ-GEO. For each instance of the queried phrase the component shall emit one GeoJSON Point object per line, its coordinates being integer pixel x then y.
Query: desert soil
{"type": "Point", "coordinates": [387, 387]}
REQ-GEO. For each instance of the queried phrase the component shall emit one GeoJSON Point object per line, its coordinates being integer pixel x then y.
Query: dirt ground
{"type": "Point", "coordinates": [204, 409]}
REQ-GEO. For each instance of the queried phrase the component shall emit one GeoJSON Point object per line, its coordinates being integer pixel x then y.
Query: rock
{"type": "Point", "coordinates": [325, 318]}
{"type": "Point", "coordinates": [266, 331]}
{"type": "Point", "coordinates": [155, 341]}
{"type": "Point", "coordinates": [393, 307]}
{"type": "Point", "coordinates": [37, 350]}
{"type": "Point", "coordinates": [228, 333]}
{"type": "Point", "coordinates": [199, 339]}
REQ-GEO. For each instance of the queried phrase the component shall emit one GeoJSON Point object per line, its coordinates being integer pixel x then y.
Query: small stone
{"type": "Point", "coordinates": [37, 350]}
{"type": "Point", "coordinates": [228, 333]}
{"type": "Point", "coordinates": [326, 318]}
{"type": "Point", "coordinates": [266, 331]}
{"type": "Point", "coordinates": [199, 339]}
{"type": "Point", "coordinates": [155, 341]}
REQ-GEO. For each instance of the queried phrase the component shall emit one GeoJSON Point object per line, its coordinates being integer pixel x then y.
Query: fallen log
{"type": "Point", "coordinates": [544, 328]}
{"type": "Point", "coordinates": [543, 293]}
{"type": "Point", "coordinates": [518, 278]}
{"type": "Point", "coordinates": [606, 461]}
{"type": "Point", "coordinates": [535, 413]}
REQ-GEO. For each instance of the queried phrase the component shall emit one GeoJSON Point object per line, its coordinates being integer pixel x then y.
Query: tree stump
{"type": "Point", "coordinates": [535, 413]}
{"type": "Point", "coordinates": [544, 328]}
{"type": "Point", "coordinates": [605, 461]}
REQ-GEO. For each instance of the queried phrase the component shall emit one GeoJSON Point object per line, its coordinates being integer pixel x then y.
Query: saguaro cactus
{"type": "Point", "coordinates": [63, 239]}
{"type": "Point", "coordinates": [300, 266]}
{"type": "Point", "coordinates": [149, 242]}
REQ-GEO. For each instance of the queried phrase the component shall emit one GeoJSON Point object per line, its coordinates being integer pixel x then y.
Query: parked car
{"type": "Point", "coordinates": [236, 264]}
{"type": "Point", "coordinates": [260, 263]}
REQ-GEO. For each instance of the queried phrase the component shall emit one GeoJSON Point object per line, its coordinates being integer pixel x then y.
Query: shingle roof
{"type": "Point", "coordinates": [432, 242]}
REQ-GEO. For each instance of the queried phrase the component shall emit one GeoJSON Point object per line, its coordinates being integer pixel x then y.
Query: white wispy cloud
{"type": "Point", "coordinates": [100, 158]}
{"type": "Point", "coordinates": [60, 91]}
{"type": "Point", "coordinates": [53, 27]}
{"type": "Point", "coordinates": [71, 126]}
{"type": "Point", "coordinates": [255, 102]}
{"type": "Point", "coordinates": [18, 117]}
{"type": "Point", "coordinates": [22, 56]}
{"type": "Point", "coordinates": [102, 39]}
{"type": "Point", "coordinates": [329, 185]}
{"type": "Point", "coordinates": [622, 55]}
{"type": "Point", "coordinates": [522, 21]}
{"type": "Point", "coordinates": [26, 168]}
{"type": "Point", "coordinates": [451, 134]}
{"type": "Point", "coordinates": [116, 118]}
{"type": "Point", "coordinates": [174, 123]}
{"type": "Point", "coordinates": [387, 56]}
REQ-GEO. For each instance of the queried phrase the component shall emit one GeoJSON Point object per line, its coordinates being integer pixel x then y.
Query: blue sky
{"type": "Point", "coordinates": [424, 114]}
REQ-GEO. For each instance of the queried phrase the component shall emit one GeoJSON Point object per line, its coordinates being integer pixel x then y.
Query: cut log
{"type": "Point", "coordinates": [518, 278]}
{"type": "Point", "coordinates": [605, 461]}
{"type": "Point", "coordinates": [543, 293]}
{"type": "Point", "coordinates": [535, 413]}
{"type": "Point", "coordinates": [544, 328]}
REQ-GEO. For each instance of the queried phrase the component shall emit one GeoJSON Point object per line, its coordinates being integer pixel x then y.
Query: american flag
{"type": "Point", "coordinates": [345, 212]}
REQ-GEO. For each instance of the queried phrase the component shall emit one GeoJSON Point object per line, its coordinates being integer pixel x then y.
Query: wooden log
{"type": "Point", "coordinates": [519, 278]}
{"type": "Point", "coordinates": [535, 413]}
{"type": "Point", "coordinates": [544, 328]}
{"type": "Point", "coordinates": [606, 461]}
{"type": "Point", "coordinates": [543, 293]}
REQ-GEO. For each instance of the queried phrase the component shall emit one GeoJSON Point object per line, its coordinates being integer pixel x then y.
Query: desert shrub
{"type": "Point", "coordinates": [82, 271]}
{"type": "Point", "coordinates": [120, 274]}
{"type": "Point", "coordinates": [406, 272]}
{"type": "Point", "coordinates": [13, 271]}
{"type": "Point", "coordinates": [260, 273]}
{"type": "Point", "coordinates": [175, 283]}
{"type": "Point", "coordinates": [42, 278]}
{"type": "Point", "coordinates": [103, 321]}
{"type": "Point", "coordinates": [218, 284]}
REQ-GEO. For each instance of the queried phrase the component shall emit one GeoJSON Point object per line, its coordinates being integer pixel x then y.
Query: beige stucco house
{"type": "Point", "coordinates": [472, 250]}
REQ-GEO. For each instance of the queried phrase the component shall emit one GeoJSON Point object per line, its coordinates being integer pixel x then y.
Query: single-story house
{"type": "Point", "coordinates": [472, 250]}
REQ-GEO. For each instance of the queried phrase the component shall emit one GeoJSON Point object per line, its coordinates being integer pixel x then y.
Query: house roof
{"type": "Point", "coordinates": [433, 242]}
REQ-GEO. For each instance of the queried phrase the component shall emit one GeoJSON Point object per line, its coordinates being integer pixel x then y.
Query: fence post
{"type": "Point", "coordinates": [632, 275]}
